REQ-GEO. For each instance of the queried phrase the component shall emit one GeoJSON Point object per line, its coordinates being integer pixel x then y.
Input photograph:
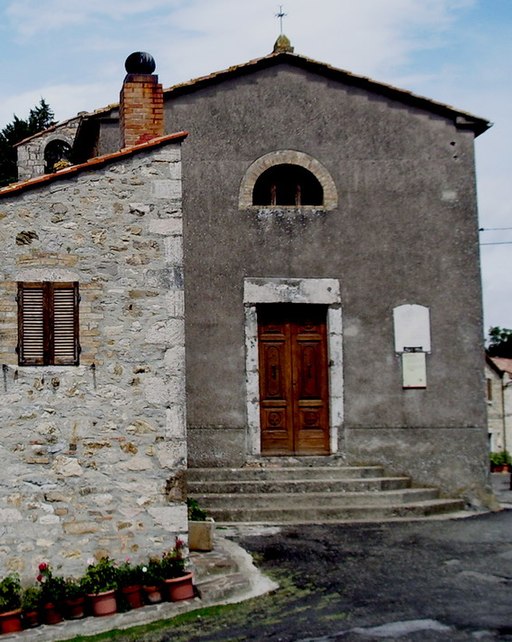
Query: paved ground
{"type": "Point", "coordinates": [403, 581]}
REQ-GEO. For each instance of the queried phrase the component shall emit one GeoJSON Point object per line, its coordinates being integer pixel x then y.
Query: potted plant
{"type": "Point", "coordinates": [100, 583]}
{"type": "Point", "coordinates": [74, 599]}
{"type": "Point", "coordinates": [500, 461]}
{"type": "Point", "coordinates": [177, 580]}
{"type": "Point", "coordinates": [10, 604]}
{"type": "Point", "coordinates": [52, 593]}
{"type": "Point", "coordinates": [152, 580]}
{"type": "Point", "coordinates": [30, 601]}
{"type": "Point", "coordinates": [201, 528]}
{"type": "Point", "coordinates": [129, 581]}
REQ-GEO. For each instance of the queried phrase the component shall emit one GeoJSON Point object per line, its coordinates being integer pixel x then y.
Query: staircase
{"type": "Point", "coordinates": [311, 490]}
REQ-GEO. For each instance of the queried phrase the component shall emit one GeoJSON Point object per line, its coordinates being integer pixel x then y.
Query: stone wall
{"type": "Point", "coordinates": [92, 457]}
{"type": "Point", "coordinates": [31, 153]}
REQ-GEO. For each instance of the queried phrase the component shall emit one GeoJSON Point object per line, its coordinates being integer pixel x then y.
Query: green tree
{"type": "Point", "coordinates": [500, 342]}
{"type": "Point", "coordinates": [40, 118]}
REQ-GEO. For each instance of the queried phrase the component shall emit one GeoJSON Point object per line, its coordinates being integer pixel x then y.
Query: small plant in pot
{"type": "Point", "coordinates": [130, 578]}
{"type": "Point", "coordinates": [500, 461]}
{"type": "Point", "coordinates": [30, 601]}
{"type": "Point", "coordinates": [100, 583]}
{"type": "Point", "coordinates": [10, 604]}
{"type": "Point", "coordinates": [74, 599]}
{"type": "Point", "coordinates": [52, 588]}
{"type": "Point", "coordinates": [152, 580]}
{"type": "Point", "coordinates": [177, 580]}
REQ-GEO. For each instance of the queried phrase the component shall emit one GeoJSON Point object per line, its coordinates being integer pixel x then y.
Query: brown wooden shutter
{"type": "Point", "coordinates": [48, 324]}
{"type": "Point", "coordinates": [31, 324]}
{"type": "Point", "coordinates": [64, 324]}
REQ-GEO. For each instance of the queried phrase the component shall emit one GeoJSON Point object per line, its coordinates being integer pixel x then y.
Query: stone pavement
{"type": "Point", "coordinates": [226, 574]}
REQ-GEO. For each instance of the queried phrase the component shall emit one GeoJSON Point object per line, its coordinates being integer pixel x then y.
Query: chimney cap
{"type": "Point", "coordinates": [140, 62]}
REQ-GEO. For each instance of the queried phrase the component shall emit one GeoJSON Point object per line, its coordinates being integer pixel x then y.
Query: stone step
{"type": "Point", "coordinates": [369, 512]}
{"type": "Point", "coordinates": [305, 500]}
{"type": "Point", "coordinates": [283, 472]}
{"type": "Point", "coordinates": [303, 490]}
{"type": "Point", "coordinates": [363, 484]}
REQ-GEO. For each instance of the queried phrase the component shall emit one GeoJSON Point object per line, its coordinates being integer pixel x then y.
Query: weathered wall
{"type": "Point", "coordinates": [404, 231]}
{"type": "Point", "coordinates": [31, 153]}
{"type": "Point", "coordinates": [92, 457]}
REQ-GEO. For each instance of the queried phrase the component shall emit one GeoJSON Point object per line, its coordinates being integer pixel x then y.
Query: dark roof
{"type": "Point", "coordinates": [461, 119]}
{"type": "Point", "coordinates": [92, 164]}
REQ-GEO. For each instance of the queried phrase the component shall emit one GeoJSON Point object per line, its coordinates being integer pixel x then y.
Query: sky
{"type": "Point", "coordinates": [459, 52]}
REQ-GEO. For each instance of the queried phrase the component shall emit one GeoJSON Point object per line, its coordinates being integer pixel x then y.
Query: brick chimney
{"type": "Point", "coordinates": [141, 101]}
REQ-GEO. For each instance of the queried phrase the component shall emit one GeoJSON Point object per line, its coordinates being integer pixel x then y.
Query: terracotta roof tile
{"type": "Point", "coordinates": [505, 365]}
{"type": "Point", "coordinates": [93, 163]}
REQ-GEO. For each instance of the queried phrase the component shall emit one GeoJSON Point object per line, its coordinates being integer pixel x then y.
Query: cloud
{"type": "Point", "coordinates": [31, 17]}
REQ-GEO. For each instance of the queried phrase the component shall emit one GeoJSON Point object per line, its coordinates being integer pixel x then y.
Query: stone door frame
{"type": "Point", "coordinates": [313, 291]}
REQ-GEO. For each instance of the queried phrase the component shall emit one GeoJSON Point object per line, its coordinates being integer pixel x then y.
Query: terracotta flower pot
{"type": "Point", "coordinates": [51, 613]}
{"type": "Point", "coordinates": [75, 608]}
{"type": "Point", "coordinates": [30, 619]}
{"type": "Point", "coordinates": [179, 588]}
{"type": "Point", "coordinates": [133, 596]}
{"type": "Point", "coordinates": [152, 594]}
{"type": "Point", "coordinates": [103, 603]}
{"type": "Point", "coordinates": [10, 621]}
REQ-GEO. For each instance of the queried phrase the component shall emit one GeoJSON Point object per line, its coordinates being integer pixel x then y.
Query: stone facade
{"type": "Point", "coordinates": [93, 456]}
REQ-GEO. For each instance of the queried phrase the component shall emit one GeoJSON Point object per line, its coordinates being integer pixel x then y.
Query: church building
{"type": "Point", "coordinates": [274, 262]}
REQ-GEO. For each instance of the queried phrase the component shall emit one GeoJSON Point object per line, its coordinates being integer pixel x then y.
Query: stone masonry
{"type": "Point", "coordinates": [31, 152]}
{"type": "Point", "coordinates": [93, 456]}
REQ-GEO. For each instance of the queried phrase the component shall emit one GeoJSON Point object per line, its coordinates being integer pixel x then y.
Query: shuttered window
{"type": "Point", "coordinates": [48, 324]}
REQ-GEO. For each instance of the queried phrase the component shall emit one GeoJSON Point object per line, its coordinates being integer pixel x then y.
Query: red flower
{"type": "Point", "coordinates": [43, 566]}
{"type": "Point", "coordinates": [39, 578]}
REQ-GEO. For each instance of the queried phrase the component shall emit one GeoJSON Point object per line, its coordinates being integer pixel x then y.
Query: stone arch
{"type": "Point", "coordinates": [287, 157]}
{"type": "Point", "coordinates": [56, 149]}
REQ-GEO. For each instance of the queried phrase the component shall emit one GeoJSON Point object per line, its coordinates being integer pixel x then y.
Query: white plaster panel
{"type": "Point", "coordinates": [412, 327]}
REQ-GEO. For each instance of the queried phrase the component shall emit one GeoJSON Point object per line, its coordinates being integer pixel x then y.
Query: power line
{"type": "Point", "coordinates": [498, 243]}
{"type": "Point", "coordinates": [489, 229]}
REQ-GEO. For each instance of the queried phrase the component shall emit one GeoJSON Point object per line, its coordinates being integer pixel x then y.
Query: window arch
{"type": "Point", "coordinates": [287, 178]}
{"type": "Point", "coordinates": [287, 184]}
{"type": "Point", "coordinates": [55, 151]}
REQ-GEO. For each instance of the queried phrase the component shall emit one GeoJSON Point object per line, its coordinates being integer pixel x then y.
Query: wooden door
{"type": "Point", "coordinates": [293, 379]}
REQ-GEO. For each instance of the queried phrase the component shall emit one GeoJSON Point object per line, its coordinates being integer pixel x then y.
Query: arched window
{"type": "Point", "coordinates": [287, 184]}
{"type": "Point", "coordinates": [287, 178]}
{"type": "Point", "coordinates": [55, 151]}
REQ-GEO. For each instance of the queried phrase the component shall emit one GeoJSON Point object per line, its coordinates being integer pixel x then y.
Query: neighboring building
{"type": "Point", "coordinates": [498, 374]}
{"type": "Point", "coordinates": [93, 451]}
{"type": "Point", "coordinates": [330, 257]}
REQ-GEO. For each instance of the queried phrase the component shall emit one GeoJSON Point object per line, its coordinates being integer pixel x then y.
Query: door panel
{"type": "Point", "coordinates": [293, 379]}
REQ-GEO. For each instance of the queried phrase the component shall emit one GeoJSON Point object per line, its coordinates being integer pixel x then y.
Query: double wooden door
{"type": "Point", "coordinates": [294, 398]}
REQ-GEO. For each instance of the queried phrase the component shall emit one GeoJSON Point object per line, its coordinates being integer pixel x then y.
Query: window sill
{"type": "Point", "coordinates": [286, 211]}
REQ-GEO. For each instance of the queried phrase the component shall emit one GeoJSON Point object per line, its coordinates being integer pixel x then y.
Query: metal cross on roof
{"type": "Point", "coordinates": [281, 15]}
